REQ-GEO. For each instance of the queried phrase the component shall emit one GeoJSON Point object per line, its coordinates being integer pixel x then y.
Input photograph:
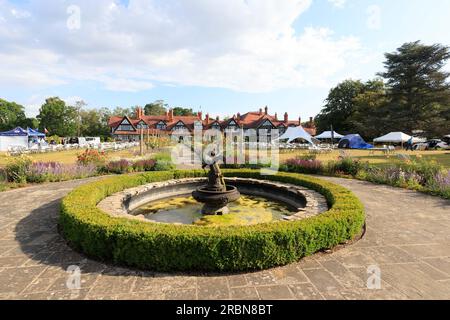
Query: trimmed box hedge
{"type": "Point", "coordinates": [165, 247]}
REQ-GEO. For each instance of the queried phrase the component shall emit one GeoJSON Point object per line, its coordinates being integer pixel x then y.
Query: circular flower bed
{"type": "Point", "coordinates": [165, 247]}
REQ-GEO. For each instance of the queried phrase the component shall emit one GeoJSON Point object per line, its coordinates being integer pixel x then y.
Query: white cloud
{"type": "Point", "coordinates": [338, 3]}
{"type": "Point", "coordinates": [243, 45]}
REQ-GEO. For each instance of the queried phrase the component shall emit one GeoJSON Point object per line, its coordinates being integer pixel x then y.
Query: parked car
{"type": "Point", "coordinates": [434, 144]}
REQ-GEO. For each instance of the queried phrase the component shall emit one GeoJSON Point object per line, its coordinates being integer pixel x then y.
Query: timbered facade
{"type": "Point", "coordinates": [130, 129]}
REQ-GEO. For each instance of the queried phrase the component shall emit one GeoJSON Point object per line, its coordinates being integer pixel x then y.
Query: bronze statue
{"type": "Point", "coordinates": [216, 194]}
{"type": "Point", "coordinates": [216, 181]}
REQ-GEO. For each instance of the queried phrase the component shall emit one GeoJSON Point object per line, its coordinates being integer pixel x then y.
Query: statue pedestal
{"type": "Point", "coordinates": [216, 201]}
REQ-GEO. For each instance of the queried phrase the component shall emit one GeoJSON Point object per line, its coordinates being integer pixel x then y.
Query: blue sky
{"type": "Point", "coordinates": [223, 56]}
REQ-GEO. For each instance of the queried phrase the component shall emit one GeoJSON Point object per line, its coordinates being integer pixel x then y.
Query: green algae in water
{"type": "Point", "coordinates": [248, 210]}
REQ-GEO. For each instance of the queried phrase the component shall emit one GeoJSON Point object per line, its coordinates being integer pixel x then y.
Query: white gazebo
{"type": "Point", "coordinates": [393, 137]}
{"type": "Point", "coordinates": [294, 133]}
{"type": "Point", "coordinates": [327, 135]}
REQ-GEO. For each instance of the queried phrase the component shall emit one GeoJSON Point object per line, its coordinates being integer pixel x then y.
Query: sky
{"type": "Point", "coordinates": [217, 56]}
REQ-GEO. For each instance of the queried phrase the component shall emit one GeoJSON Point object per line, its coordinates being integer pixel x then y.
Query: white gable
{"type": "Point", "coordinates": [125, 121]}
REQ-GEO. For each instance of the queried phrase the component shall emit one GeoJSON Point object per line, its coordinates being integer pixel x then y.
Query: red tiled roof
{"type": "Point", "coordinates": [246, 121]}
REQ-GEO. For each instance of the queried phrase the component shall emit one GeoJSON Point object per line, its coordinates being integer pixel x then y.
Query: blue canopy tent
{"type": "Point", "coordinates": [354, 141]}
{"type": "Point", "coordinates": [17, 137]}
{"type": "Point", "coordinates": [35, 133]}
{"type": "Point", "coordinates": [17, 132]}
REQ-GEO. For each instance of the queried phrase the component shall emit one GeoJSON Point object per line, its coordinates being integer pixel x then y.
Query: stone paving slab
{"type": "Point", "coordinates": [408, 238]}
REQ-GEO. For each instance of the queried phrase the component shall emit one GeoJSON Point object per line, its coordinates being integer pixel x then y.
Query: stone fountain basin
{"type": "Point", "coordinates": [303, 202]}
{"type": "Point", "coordinates": [215, 197]}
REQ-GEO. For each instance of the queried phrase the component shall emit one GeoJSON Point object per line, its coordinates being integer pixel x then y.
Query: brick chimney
{"type": "Point", "coordinates": [311, 122]}
{"type": "Point", "coordinates": [299, 121]}
{"type": "Point", "coordinates": [239, 116]}
{"type": "Point", "coordinates": [170, 115]}
{"type": "Point", "coordinates": [286, 118]}
{"type": "Point", "coordinates": [276, 116]}
{"type": "Point", "coordinates": [266, 110]}
{"type": "Point", "coordinates": [260, 111]}
{"type": "Point", "coordinates": [200, 115]}
{"type": "Point", "coordinates": [218, 118]}
{"type": "Point", "coordinates": [139, 113]}
{"type": "Point", "coordinates": [207, 118]}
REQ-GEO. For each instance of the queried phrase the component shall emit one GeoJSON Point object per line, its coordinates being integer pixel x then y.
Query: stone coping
{"type": "Point", "coordinates": [304, 202]}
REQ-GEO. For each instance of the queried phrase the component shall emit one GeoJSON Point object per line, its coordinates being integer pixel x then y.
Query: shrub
{"type": "Point", "coordinates": [144, 165]}
{"type": "Point", "coordinates": [90, 156]}
{"type": "Point", "coordinates": [17, 169]}
{"type": "Point", "coordinates": [425, 176]}
{"type": "Point", "coordinates": [163, 165]}
{"type": "Point", "coordinates": [167, 247]}
{"type": "Point", "coordinates": [119, 166]}
{"type": "Point", "coordinates": [304, 166]}
{"type": "Point", "coordinates": [347, 166]}
{"type": "Point", "coordinates": [54, 171]}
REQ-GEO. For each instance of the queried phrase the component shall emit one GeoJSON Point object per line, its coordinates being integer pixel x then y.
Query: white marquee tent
{"type": "Point", "coordinates": [327, 135]}
{"type": "Point", "coordinates": [393, 137]}
{"type": "Point", "coordinates": [293, 133]}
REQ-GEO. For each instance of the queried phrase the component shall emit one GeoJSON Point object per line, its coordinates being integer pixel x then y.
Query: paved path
{"type": "Point", "coordinates": [408, 238]}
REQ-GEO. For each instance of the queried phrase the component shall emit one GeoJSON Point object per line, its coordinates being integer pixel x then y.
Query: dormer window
{"type": "Point", "coordinates": [232, 124]}
{"type": "Point", "coordinates": [161, 125]}
{"type": "Point", "coordinates": [179, 126]}
{"type": "Point", "coordinates": [125, 125]}
{"type": "Point", "coordinates": [266, 125]}
{"type": "Point", "coordinates": [142, 125]}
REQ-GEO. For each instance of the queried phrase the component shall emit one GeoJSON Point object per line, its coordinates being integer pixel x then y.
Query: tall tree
{"type": "Point", "coordinates": [11, 115]}
{"type": "Point", "coordinates": [339, 106]}
{"type": "Point", "coordinates": [157, 108]}
{"type": "Point", "coordinates": [94, 123]}
{"type": "Point", "coordinates": [58, 118]}
{"type": "Point", "coordinates": [180, 111]}
{"type": "Point", "coordinates": [370, 117]}
{"type": "Point", "coordinates": [419, 92]}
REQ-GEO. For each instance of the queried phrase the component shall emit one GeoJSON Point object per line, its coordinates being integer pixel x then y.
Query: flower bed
{"type": "Point", "coordinates": [167, 247]}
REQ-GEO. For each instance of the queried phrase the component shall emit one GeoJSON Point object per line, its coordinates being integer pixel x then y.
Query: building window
{"type": "Point", "coordinates": [232, 125]}
{"type": "Point", "coordinates": [125, 127]}
{"type": "Point", "coordinates": [179, 126]}
{"type": "Point", "coordinates": [216, 126]}
{"type": "Point", "coordinates": [161, 125]}
{"type": "Point", "coordinates": [282, 129]}
{"type": "Point", "coordinates": [142, 125]}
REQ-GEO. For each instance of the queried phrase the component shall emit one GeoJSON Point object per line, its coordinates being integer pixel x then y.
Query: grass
{"type": "Point", "coordinates": [70, 156]}
{"type": "Point", "coordinates": [442, 157]}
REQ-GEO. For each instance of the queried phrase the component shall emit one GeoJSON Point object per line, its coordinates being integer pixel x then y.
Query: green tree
{"type": "Point", "coordinates": [11, 115]}
{"type": "Point", "coordinates": [94, 123]}
{"type": "Point", "coordinates": [179, 111]}
{"type": "Point", "coordinates": [419, 93]}
{"type": "Point", "coordinates": [339, 106]}
{"type": "Point", "coordinates": [157, 108]}
{"type": "Point", "coordinates": [58, 118]}
{"type": "Point", "coordinates": [370, 117]}
{"type": "Point", "coordinates": [122, 112]}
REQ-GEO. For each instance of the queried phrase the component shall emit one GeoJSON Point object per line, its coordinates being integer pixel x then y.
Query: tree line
{"type": "Point", "coordinates": [412, 95]}
{"type": "Point", "coordinates": [63, 120]}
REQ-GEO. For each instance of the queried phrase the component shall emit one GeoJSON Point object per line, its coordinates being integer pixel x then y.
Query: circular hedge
{"type": "Point", "coordinates": [166, 247]}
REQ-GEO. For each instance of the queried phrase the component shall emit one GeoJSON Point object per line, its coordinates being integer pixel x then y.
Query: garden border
{"type": "Point", "coordinates": [165, 247]}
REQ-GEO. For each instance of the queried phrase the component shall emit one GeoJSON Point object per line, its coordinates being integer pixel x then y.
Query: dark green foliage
{"type": "Point", "coordinates": [157, 108]}
{"type": "Point", "coordinates": [414, 96]}
{"type": "Point", "coordinates": [184, 247]}
{"type": "Point", "coordinates": [58, 118]}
